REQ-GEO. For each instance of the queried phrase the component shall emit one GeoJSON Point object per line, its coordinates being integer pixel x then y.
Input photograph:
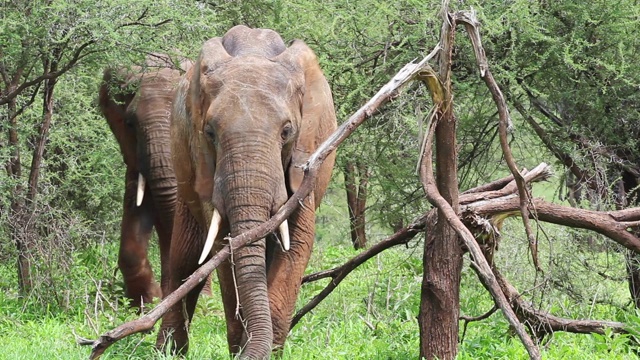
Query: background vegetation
{"type": "Point", "coordinates": [569, 70]}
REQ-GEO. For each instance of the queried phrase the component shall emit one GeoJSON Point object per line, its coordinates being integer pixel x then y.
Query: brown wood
{"type": "Point", "coordinates": [337, 274]}
{"type": "Point", "coordinates": [442, 257]}
{"type": "Point", "coordinates": [440, 92]}
{"type": "Point", "coordinates": [356, 178]}
{"type": "Point", "coordinates": [542, 323]}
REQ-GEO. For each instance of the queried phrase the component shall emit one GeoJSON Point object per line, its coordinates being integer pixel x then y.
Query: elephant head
{"type": "Point", "coordinates": [246, 118]}
{"type": "Point", "coordinates": [137, 104]}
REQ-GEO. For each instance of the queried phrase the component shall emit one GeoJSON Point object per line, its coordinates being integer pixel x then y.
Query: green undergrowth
{"type": "Point", "coordinates": [371, 315]}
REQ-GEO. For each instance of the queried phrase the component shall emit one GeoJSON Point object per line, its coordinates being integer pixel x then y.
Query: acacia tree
{"type": "Point", "coordinates": [570, 71]}
{"type": "Point", "coordinates": [41, 42]}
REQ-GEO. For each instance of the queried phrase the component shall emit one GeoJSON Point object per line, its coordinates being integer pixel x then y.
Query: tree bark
{"type": "Point", "coordinates": [17, 207]}
{"type": "Point", "coordinates": [356, 178]}
{"type": "Point", "coordinates": [442, 257]}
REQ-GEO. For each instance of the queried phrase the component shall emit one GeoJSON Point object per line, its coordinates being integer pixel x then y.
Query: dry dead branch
{"type": "Point", "coordinates": [471, 23]}
{"type": "Point", "coordinates": [541, 323]}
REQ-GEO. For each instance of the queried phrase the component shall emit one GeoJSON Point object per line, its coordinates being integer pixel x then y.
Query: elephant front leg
{"type": "Point", "coordinates": [186, 243]}
{"type": "Point", "coordinates": [136, 227]}
{"type": "Point", "coordinates": [230, 302]}
{"type": "Point", "coordinates": [287, 268]}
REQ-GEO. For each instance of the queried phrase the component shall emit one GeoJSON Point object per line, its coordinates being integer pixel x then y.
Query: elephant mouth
{"type": "Point", "coordinates": [216, 224]}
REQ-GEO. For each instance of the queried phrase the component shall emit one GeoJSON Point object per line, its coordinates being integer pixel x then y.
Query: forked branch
{"type": "Point", "coordinates": [470, 22]}
{"type": "Point", "coordinates": [480, 263]}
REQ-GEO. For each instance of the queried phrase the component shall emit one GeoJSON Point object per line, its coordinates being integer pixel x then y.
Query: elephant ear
{"type": "Point", "coordinates": [318, 117]}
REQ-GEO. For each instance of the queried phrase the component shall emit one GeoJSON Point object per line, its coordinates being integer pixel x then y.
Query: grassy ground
{"type": "Point", "coordinates": [372, 315]}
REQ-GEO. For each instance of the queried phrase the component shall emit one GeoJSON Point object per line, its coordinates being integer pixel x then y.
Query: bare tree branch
{"type": "Point", "coordinates": [337, 274]}
{"type": "Point", "coordinates": [542, 323]}
{"type": "Point", "coordinates": [613, 224]}
{"type": "Point", "coordinates": [468, 18]}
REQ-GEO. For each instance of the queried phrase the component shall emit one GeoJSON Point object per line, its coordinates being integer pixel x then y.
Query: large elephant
{"type": "Point", "coordinates": [246, 117]}
{"type": "Point", "coordinates": [137, 104]}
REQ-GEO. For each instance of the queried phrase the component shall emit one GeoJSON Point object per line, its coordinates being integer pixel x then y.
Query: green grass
{"type": "Point", "coordinates": [371, 315]}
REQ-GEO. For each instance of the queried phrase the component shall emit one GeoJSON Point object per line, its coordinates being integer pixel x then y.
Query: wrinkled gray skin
{"type": "Point", "coordinates": [137, 103]}
{"type": "Point", "coordinates": [245, 119]}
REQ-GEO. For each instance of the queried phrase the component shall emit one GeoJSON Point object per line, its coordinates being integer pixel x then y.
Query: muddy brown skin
{"type": "Point", "coordinates": [137, 104]}
{"type": "Point", "coordinates": [246, 117]}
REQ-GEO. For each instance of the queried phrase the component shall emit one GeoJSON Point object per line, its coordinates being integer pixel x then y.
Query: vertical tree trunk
{"type": "Point", "coordinates": [633, 277]}
{"type": "Point", "coordinates": [442, 259]}
{"type": "Point", "coordinates": [356, 201]}
{"type": "Point", "coordinates": [626, 195]}
{"type": "Point", "coordinates": [22, 208]}
{"type": "Point", "coordinates": [17, 209]}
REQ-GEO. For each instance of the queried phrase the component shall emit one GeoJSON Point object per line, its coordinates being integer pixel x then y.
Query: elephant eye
{"type": "Point", "coordinates": [130, 120]}
{"type": "Point", "coordinates": [287, 130]}
{"type": "Point", "coordinates": [208, 129]}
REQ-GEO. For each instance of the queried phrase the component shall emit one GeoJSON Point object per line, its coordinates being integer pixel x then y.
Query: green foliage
{"type": "Point", "coordinates": [580, 62]}
{"type": "Point", "coordinates": [579, 58]}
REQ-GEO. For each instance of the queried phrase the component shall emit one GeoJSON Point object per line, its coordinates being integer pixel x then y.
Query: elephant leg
{"type": "Point", "coordinates": [230, 300]}
{"type": "Point", "coordinates": [287, 268]}
{"type": "Point", "coordinates": [164, 241]}
{"type": "Point", "coordinates": [136, 227]}
{"type": "Point", "coordinates": [186, 244]}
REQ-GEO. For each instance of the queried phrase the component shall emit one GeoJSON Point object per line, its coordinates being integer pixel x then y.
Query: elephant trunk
{"type": "Point", "coordinates": [157, 168]}
{"type": "Point", "coordinates": [253, 188]}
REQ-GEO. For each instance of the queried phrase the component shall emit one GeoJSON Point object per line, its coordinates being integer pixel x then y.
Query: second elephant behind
{"type": "Point", "coordinates": [136, 102]}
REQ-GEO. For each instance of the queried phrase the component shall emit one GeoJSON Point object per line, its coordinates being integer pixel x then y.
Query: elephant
{"type": "Point", "coordinates": [136, 103]}
{"type": "Point", "coordinates": [246, 118]}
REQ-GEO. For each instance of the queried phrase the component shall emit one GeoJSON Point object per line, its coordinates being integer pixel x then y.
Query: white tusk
{"type": "Point", "coordinates": [284, 233]}
{"type": "Point", "coordinates": [140, 194]}
{"type": "Point", "coordinates": [216, 219]}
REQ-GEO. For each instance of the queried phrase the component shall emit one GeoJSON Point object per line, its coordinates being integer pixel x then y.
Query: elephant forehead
{"type": "Point", "coordinates": [249, 74]}
{"type": "Point", "coordinates": [246, 90]}
{"type": "Point", "coordinates": [249, 107]}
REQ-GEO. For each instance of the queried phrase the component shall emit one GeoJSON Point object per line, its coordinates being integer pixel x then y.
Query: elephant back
{"type": "Point", "coordinates": [243, 41]}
